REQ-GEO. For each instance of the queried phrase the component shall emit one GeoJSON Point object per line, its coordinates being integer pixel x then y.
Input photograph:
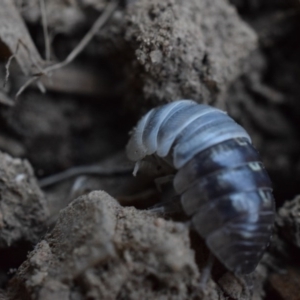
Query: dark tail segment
{"type": "Point", "coordinates": [228, 193]}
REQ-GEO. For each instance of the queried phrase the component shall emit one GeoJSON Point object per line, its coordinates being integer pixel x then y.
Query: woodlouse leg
{"type": "Point", "coordinates": [78, 188]}
{"type": "Point", "coordinates": [152, 166]}
{"type": "Point", "coordinates": [161, 181]}
{"type": "Point", "coordinates": [206, 271]}
{"type": "Point", "coordinates": [200, 291]}
{"type": "Point", "coordinates": [168, 207]}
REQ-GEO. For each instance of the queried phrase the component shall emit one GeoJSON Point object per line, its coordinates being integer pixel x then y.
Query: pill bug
{"type": "Point", "coordinates": [222, 183]}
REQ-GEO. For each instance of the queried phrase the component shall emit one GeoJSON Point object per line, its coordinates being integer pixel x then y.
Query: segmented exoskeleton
{"type": "Point", "coordinates": [222, 183]}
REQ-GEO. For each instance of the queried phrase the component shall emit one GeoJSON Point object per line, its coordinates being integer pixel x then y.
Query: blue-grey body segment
{"type": "Point", "coordinates": [228, 154]}
{"type": "Point", "coordinates": [223, 186]}
{"type": "Point", "coordinates": [157, 119]}
{"type": "Point", "coordinates": [174, 125]}
{"type": "Point", "coordinates": [224, 182]}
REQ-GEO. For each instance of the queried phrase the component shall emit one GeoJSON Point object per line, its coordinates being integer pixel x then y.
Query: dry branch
{"type": "Point", "coordinates": [45, 29]}
{"type": "Point", "coordinates": [85, 170]}
{"type": "Point", "coordinates": [99, 23]}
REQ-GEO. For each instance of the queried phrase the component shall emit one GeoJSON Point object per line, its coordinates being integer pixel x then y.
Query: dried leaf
{"type": "Point", "coordinates": [14, 34]}
{"type": "Point", "coordinates": [4, 99]}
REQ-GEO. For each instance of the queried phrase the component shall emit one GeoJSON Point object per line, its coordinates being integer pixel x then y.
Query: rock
{"type": "Point", "coordinates": [23, 210]}
{"type": "Point", "coordinates": [99, 250]}
{"type": "Point", "coordinates": [288, 221]}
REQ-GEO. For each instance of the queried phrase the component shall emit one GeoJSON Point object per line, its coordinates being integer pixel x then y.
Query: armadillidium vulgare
{"type": "Point", "coordinates": [222, 183]}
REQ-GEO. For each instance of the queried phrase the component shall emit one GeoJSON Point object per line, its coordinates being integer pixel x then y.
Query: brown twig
{"type": "Point", "coordinates": [99, 23]}
{"type": "Point", "coordinates": [102, 19]}
{"type": "Point", "coordinates": [26, 85]}
{"type": "Point", "coordinates": [7, 66]}
{"type": "Point", "coordinates": [41, 87]}
{"type": "Point", "coordinates": [45, 30]}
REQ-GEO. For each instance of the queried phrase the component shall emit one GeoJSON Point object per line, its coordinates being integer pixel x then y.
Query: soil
{"type": "Point", "coordinates": [91, 236]}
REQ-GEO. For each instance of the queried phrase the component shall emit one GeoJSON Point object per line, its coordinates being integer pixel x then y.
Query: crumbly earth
{"type": "Point", "coordinates": [23, 207]}
{"type": "Point", "coordinates": [186, 49]}
{"type": "Point", "coordinates": [288, 221]}
{"type": "Point", "coordinates": [100, 250]}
